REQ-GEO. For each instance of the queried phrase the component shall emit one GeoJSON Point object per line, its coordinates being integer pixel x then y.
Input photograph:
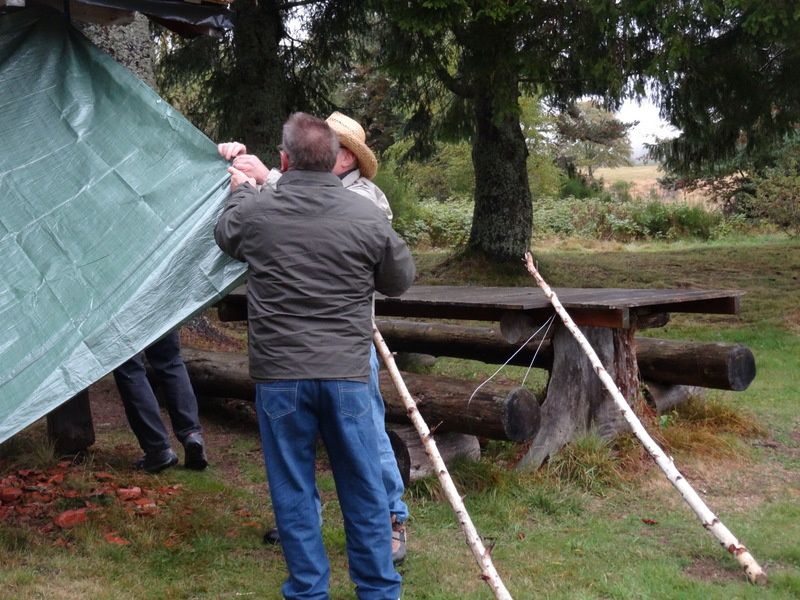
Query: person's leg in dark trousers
{"type": "Point", "coordinates": [164, 357]}
{"type": "Point", "coordinates": [144, 416]}
{"type": "Point", "coordinates": [142, 409]}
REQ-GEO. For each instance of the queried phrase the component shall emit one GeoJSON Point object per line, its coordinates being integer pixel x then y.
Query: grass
{"type": "Point", "coordinates": [598, 522]}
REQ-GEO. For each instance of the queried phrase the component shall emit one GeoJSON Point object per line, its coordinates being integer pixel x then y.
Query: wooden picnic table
{"type": "Point", "coordinates": [609, 317]}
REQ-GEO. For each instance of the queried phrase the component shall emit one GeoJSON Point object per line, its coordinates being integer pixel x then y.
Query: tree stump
{"type": "Point", "coordinates": [413, 461]}
{"type": "Point", "coordinates": [70, 427]}
{"type": "Point", "coordinates": [576, 400]}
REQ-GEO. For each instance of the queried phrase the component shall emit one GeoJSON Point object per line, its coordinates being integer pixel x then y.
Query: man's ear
{"type": "Point", "coordinates": [350, 159]}
{"type": "Point", "coordinates": [284, 162]}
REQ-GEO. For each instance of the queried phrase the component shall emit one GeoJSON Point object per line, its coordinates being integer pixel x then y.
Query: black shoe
{"type": "Point", "coordinates": [155, 462]}
{"type": "Point", "coordinates": [272, 537]}
{"type": "Point", "coordinates": [195, 452]}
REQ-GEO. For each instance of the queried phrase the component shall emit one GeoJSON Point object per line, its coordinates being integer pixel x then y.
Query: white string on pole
{"type": "Point", "coordinates": [503, 366]}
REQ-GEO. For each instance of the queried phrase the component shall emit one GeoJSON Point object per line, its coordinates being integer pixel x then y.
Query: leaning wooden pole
{"type": "Point", "coordinates": [709, 520]}
{"type": "Point", "coordinates": [488, 572]}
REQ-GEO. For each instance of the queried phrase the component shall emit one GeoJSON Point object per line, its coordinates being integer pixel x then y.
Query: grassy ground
{"type": "Point", "coordinates": [600, 522]}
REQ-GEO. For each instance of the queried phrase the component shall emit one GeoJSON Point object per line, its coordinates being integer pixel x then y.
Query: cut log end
{"type": "Point", "coordinates": [523, 415]}
{"type": "Point", "coordinates": [741, 368]}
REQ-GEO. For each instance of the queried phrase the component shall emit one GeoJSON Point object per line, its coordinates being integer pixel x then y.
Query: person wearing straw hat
{"type": "Point", "coordinates": [356, 165]}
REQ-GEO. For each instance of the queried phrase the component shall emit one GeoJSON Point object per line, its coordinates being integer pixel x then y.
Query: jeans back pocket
{"type": "Point", "coordinates": [354, 398]}
{"type": "Point", "coordinates": [278, 399]}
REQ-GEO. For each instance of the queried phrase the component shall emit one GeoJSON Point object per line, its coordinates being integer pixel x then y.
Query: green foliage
{"type": "Point", "coordinates": [446, 224]}
{"type": "Point", "coordinates": [398, 192]}
{"type": "Point", "coordinates": [627, 220]}
{"type": "Point", "coordinates": [544, 176]}
{"type": "Point", "coordinates": [777, 191]}
{"type": "Point", "coordinates": [579, 187]}
{"type": "Point", "coordinates": [446, 173]}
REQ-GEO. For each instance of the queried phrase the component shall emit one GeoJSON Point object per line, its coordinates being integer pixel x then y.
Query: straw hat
{"type": "Point", "coordinates": [352, 136]}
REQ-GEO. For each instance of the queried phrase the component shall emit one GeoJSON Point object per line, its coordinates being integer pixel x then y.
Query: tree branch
{"type": "Point", "coordinates": [455, 85]}
{"type": "Point", "coordinates": [295, 4]}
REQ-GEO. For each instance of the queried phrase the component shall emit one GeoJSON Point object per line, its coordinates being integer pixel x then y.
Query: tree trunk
{"type": "Point", "coordinates": [257, 106]}
{"type": "Point", "coordinates": [501, 223]}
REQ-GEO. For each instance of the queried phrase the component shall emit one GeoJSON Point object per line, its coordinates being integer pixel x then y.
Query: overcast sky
{"type": "Point", "coordinates": [650, 124]}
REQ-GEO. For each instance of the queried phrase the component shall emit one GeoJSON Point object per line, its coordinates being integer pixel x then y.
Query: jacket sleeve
{"type": "Point", "coordinates": [230, 228]}
{"type": "Point", "coordinates": [395, 273]}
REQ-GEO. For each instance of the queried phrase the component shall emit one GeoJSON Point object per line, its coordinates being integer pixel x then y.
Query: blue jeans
{"type": "Point", "coordinates": [141, 406]}
{"type": "Point", "coordinates": [290, 416]}
{"type": "Point", "coordinates": [392, 480]}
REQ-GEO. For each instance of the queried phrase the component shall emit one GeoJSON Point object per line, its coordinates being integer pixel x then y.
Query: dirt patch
{"type": "Point", "coordinates": [707, 569]}
{"type": "Point", "coordinates": [792, 321]}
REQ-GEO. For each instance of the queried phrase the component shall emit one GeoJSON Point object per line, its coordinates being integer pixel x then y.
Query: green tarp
{"type": "Point", "coordinates": [108, 199]}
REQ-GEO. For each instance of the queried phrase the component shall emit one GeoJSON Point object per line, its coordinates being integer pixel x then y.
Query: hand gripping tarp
{"type": "Point", "coordinates": [108, 199]}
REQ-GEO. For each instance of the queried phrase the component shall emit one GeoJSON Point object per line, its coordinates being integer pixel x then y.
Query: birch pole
{"type": "Point", "coordinates": [482, 556]}
{"type": "Point", "coordinates": [709, 520]}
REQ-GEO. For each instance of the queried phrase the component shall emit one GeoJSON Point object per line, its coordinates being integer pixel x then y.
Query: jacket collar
{"type": "Point", "coordinates": [351, 177]}
{"type": "Point", "coordinates": [313, 178]}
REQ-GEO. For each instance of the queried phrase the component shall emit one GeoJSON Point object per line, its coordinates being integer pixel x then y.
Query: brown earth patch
{"type": "Point", "coordinates": [707, 569]}
{"type": "Point", "coordinates": [792, 320]}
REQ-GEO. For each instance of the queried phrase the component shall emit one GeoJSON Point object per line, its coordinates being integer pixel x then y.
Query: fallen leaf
{"type": "Point", "coordinates": [130, 493]}
{"type": "Point", "coordinates": [10, 494]}
{"type": "Point", "coordinates": [113, 538]}
{"type": "Point", "coordinates": [71, 518]}
{"type": "Point", "coordinates": [649, 521]}
{"type": "Point", "coordinates": [56, 478]}
{"type": "Point", "coordinates": [103, 476]}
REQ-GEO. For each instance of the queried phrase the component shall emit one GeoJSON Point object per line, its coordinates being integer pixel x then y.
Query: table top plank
{"type": "Point", "coordinates": [529, 298]}
{"type": "Point", "coordinates": [607, 307]}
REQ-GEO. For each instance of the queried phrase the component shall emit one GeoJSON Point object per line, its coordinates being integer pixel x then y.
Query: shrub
{"type": "Point", "coordinates": [446, 224]}
{"type": "Point", "coordinates": [448, 172]}
{"type": "Point", "coordinates": [777, 199]}
{"type": "Point", "coordinates": [621, 191]}
{"type": "Point", "coordinates": [403, 202]}
{"type": "Point", "coordinates": [624, 221]}
{"type": "Point", "coordinates": [577, 187]}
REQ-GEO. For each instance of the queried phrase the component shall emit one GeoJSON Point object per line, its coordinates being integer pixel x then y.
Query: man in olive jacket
{"type": "Point", "coordinates": [316, 253]}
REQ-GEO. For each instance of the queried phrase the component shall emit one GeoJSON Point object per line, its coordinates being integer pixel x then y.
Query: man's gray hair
{"type": "Point", "coordinates": [309, 143]}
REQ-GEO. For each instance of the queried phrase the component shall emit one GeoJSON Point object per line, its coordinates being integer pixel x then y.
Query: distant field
{"type": "Point", "coordinates": [644, 183]}
{"type": "Point", "coordinates": [645, 174]}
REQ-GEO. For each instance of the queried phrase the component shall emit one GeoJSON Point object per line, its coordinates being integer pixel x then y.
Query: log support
{"type": "Point", "coordinates": [413, 462]}
{"type": "Point", "coordinates": [576, 400]}
{"type": "Point", "coordinates": [70, 427]}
